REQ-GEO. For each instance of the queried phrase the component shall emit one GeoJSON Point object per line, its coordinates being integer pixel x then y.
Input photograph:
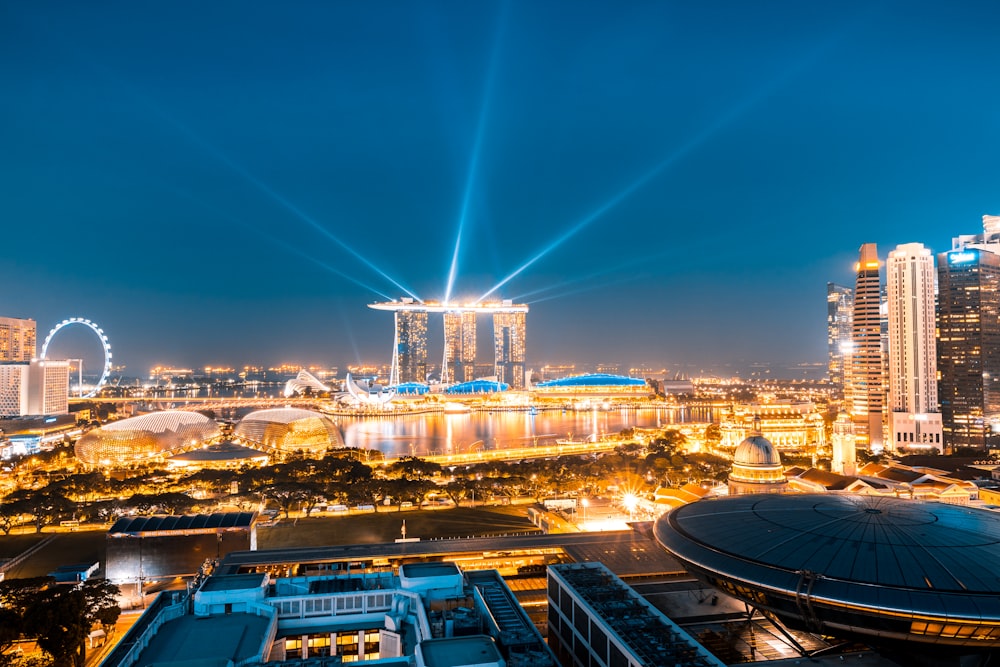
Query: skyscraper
{"type": "Point", "coordinates": [914, 419]}
{"type": "Point", "coordinates": [459, 346]}
{"type": "Point", "coordinates": [17, 339]}
{"type": "Point", "coordinates": [508, 343]}
{"type": "Point", "coordinates": [969, 339]}
{"type": "Point", "coordinates": [839, 319]}
{"type": "Point", "coordinates": [867, 392]}
{"type": "Point", "coordinates": [409, 362]}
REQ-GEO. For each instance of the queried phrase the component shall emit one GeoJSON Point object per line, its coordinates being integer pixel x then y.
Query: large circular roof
{"type": "Point", "coordinates": [756, 451]}
{"type": "Point", "coordinates": [811, 556]}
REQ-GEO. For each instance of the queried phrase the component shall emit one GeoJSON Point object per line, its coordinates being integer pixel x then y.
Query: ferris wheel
{"type": "Point", "coordinates": [105, 345]}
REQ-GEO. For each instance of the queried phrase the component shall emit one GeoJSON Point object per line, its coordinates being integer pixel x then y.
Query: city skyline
{"type": "Point", "coordinates": [229, 183]}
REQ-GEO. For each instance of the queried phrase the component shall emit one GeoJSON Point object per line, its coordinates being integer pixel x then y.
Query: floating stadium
{"type": "Point", "coordinates": [191, 437]}
{"type": "Point", "coordinates": [882, 570]}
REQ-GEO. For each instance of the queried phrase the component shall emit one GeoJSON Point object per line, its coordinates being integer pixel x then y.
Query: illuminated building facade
{"type": "Point", "coordinates": [38, 387]}
{"type": "Point", "coordinates": [789, 426]}
{"type": "Point", "coordinates": [839, 321]}
{"type": "Point", "coordinates": [845, 455]}
{"type": "Point", "coordinates": [508, 341]}
{"type": "Point", "coordinates": [459, 347]}
{"type": "Point", "coordinates": [409, 363]}
{"type": "Point", "coordinates": [48, 387]}
{"type": "Point", "coordinates": [17, 339]}
{"type": "Point", "coordinates": [969, 340]}
{"type": "Point", "coordinates": [866, 390]}
{"type": "Point", "coordinates": [914, 420]}
{"type": "Point", "coordinates": [13, 389]}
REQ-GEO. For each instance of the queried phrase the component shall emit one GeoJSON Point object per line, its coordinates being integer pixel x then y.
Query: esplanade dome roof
{"type": "Point", "coordinates": [137, 438]}
{"type": "Point", "coordinates": [288, 429]}
{"type": "Point", "coordinates": [756, 451]}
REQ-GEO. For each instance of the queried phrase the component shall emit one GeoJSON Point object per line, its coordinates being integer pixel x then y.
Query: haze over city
{"type": "Point", "coordinates": [660, 183]}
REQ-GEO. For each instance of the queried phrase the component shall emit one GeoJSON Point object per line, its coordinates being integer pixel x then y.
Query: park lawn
{"type": "Point", "coordinates": [85, 546]}
{"type": "Point", "coordinates": [386, 527]}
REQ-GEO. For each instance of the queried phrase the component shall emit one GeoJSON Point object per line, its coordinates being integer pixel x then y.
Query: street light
{"type": "Point", "coordinates": [630, 501]}
{"type": "Point", "coordinates": [584, 502]}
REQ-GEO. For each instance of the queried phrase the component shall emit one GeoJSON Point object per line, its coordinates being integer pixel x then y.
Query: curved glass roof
{"type": "Point", "coordinates": [594, 380]}
{"type": "Point", "coordinates": [477, 387]}
{"type": "Point", "coordinates": [411, 388]}
{"type": "Point", "coordinates": [288, 428]}
{"type": "Point", "coordinates": [872, 552]}
{"type": "Point", "coordinates": [137, 438]}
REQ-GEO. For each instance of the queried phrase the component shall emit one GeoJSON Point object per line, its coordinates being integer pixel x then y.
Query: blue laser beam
{"type": "Point", "coordinates": [277, 197]}
{"type": "Point", "coordinates": [597, 274]}
{"type": "Point", "coordinates": [473, 170]}
{"type": "Point", "coordinates": [691, 144]}
{"type": "Point", "coordinates": [560, 295]}
{"type": "Point", "coordinates": [324, 265]}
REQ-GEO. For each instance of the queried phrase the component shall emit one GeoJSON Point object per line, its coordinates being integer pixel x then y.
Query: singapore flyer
{"type": "Point", "coordinates": [105, 345]}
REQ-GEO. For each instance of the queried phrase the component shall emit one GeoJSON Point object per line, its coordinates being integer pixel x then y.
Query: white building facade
{"type": "Point", "coordinates": [914, 415]}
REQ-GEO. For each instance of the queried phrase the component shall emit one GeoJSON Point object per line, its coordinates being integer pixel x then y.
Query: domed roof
{"type": "Point", "coordinates": [875, 566]}
{"type": "Point", "coordinates": [146, 436]}
{"type": "Point", "coordinates": [756, 451]}
{"type": "Point", "coordinates": [288, 429]}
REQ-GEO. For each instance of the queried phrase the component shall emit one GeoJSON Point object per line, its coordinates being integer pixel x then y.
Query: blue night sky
{"type": "Point", "coordinates": [232, 182]}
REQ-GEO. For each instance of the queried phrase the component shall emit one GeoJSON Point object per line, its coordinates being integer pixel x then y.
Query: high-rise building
{"type": "Point", "coordinates": [509, 344]}
{"type": "Point", "coordinates": [409, 363]}
{"type": "Point", "coordinates": [839, 320]}
{"type": "Point", "coordinates": [13, 389]}
{"type": "Point", "coordinates": [17, 339]}
{"type": "Point", "coordinates": [969, 340]}
{"type": "Point", "coordinates": [867, 390]}
{"type": "Point", "coordinates": [914, 419]}
{"type": "Point", "coordinates": [48, 387]}
{"type": "Point", "coordinates": [409, 357]}
{"type": "Point", "coordinates": [38, 387]}
{"type": "Point", "coordinates": [459, 346]}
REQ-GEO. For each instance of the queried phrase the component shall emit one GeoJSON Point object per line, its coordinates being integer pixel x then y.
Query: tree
{"type": "Point", "coordinates": [44, 505]}
{"type": "Point", "coordinates": [9, 512]}
{"type": "Point", "coordinates": [101, 597]}
{"type": "Point", "coordinates": [57, 618]}
{"type": "Point", "coordinates": [413, 468]}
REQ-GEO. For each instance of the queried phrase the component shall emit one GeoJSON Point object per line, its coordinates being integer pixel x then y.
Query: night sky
{"type": "Point", "coordinates": [232, 182]}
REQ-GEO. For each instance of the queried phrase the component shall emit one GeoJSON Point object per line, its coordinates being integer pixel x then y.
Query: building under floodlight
{"type": "Point", "coordinates": [17, 339]}
{"type": "Point", "coordinates": [409, 355]}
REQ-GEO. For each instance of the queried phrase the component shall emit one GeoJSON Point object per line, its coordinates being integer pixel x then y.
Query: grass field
{"type": "Point", "coordinates": [88, 546]}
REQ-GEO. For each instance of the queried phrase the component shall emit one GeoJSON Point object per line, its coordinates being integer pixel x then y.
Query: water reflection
{"type": "Point", "coordinates": [439, 434]}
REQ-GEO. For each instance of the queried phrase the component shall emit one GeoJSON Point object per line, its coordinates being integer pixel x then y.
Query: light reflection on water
{"type": "Point", "coordinates": [437, 434]}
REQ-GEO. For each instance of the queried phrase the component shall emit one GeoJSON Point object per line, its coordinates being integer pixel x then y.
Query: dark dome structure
{"type": "Point", "coordinates": [880, 569]}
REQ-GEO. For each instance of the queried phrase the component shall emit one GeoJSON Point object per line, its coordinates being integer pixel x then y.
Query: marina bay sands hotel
{"type": "Point", "coordinates": [409, 352]}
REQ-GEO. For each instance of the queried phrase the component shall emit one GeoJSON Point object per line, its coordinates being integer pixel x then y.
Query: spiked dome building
{"type": "Point", "coordinates": [174, 435]}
